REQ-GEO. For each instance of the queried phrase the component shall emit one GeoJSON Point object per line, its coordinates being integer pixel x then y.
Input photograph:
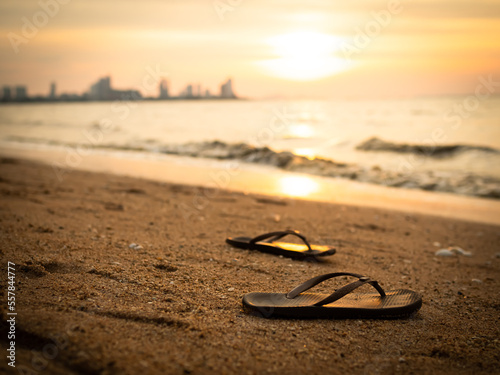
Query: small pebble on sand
{"type": "Point", "coordinates": [444, 253]}
{"type": "Point", "coordinates": [452, 251]}
{"type": "Point", "coordinates": [460, 251]}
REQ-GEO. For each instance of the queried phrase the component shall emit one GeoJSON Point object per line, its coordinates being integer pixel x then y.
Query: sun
{"type": "Point", "coordinates": [305, 56]}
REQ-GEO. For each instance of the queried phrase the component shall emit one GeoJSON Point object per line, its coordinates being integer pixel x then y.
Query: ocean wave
{"type": "Point", "coordinates": [437, 151]}
{"type": "Point", "coordinates": [452, 182]}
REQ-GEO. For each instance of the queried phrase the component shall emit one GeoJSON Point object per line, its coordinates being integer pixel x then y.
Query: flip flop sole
{"type": "Point", "coordinates": [286, 249]}
{"type": "Point", "coordinates": [396, 304]}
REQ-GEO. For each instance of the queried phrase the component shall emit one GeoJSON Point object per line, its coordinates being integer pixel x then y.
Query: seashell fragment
{"type": "Point", "coordinates": [452, 251]}
{"type": "Point", "coordinates": [445, 253]}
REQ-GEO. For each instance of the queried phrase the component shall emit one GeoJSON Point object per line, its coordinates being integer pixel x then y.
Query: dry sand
{"type": "Point", "coordinates": [88, 303]}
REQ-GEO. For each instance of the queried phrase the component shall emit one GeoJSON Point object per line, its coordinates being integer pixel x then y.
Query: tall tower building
{"type": "Point", "coordinates": [21, 93]}
{"type": "Point", "coordinates": [189, 91]}
{"type": "Point", "coordinates": [163, 89]}
{"type": "Point", "coordinates": [7, 94]}
{"type": "Point", "coordinates": [52, 94]}
{"type": "Point", "coordinates": [226, 90]}
{"type": "Point", "coordinates": [101, 90]}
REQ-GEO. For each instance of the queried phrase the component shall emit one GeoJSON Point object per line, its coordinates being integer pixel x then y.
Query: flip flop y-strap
{"type": "Point", "coordinates": [273, 236]}
{"type": "Point", "coordinates": [339, 293]}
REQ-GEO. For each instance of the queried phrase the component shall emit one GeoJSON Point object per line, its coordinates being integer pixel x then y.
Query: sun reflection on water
{"type": "Point", "coordinates": [299, 131]}
{"type": "Point", "coordinates": [298, 186]}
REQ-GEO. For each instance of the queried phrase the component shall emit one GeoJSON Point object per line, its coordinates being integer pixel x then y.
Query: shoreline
{"type": "Point", "coordinates": [405, 176]}
{"type": "Point", "coordinates": [258, 179]}
{"type": "Point", "coordinates": [112, 277]}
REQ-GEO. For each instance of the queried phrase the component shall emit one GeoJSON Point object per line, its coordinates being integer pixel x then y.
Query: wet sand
{"type": "Point", "coordinates": [248, 178]}
{"type": "Point", "coordinates": [90, 303]}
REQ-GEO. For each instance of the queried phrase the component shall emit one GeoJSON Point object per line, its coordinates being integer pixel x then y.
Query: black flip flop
{"type": "Point", "coordinates": [340, 304]}
{"type": "Point", "coordinates": [267, 243]}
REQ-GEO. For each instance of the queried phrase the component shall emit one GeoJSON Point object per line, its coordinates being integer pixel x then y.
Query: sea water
{"type": "Point", "coordinates": [327, 129]}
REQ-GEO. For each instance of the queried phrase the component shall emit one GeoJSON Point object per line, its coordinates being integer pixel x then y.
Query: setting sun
{"type": "Point", "coordinates": [304, 56]}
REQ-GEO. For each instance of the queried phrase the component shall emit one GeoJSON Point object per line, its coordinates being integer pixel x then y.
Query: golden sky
{"type": "Point", "coordinates": [291, 48]}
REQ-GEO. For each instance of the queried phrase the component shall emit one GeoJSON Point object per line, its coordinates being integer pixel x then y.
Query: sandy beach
{"type": "Point", "coordinates": [116, 275]}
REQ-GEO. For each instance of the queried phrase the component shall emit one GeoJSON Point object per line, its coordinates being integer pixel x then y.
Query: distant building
{"type": "Point", "coordinates": [6, 94]}
{"type": "Point", "coordinates": [52, 94]}
{"type": "Point", "coordinates": [101, 90]}
{"type": "Point", "coordinates": [226, 90]}
{"type": "Point", "coordinates": [126, 95]}
{"type": "Point", "coordinates": [207, 93]}
{"type": "Point", "coordinates": [187, 92]}
{"type": "Point", "coordinates": [163, 90]}
{"type": "Point", "coordinates": [21, 93]}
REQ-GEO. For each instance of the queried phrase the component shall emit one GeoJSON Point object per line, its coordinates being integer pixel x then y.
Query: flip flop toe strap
{"type": "Point", "coordinates": [273, 236]}
{"type": "Point", "coordinates": [339, 293]}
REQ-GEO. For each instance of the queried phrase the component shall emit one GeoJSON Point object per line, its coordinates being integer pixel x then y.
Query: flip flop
{"type": "Point", "coordinates": [340, 304]}
{"type": "Point", "coordinates": [267, 243]}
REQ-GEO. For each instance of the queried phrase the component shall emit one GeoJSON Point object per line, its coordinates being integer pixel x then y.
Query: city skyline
{"type": "Point", "coordinates": [102, 90]}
